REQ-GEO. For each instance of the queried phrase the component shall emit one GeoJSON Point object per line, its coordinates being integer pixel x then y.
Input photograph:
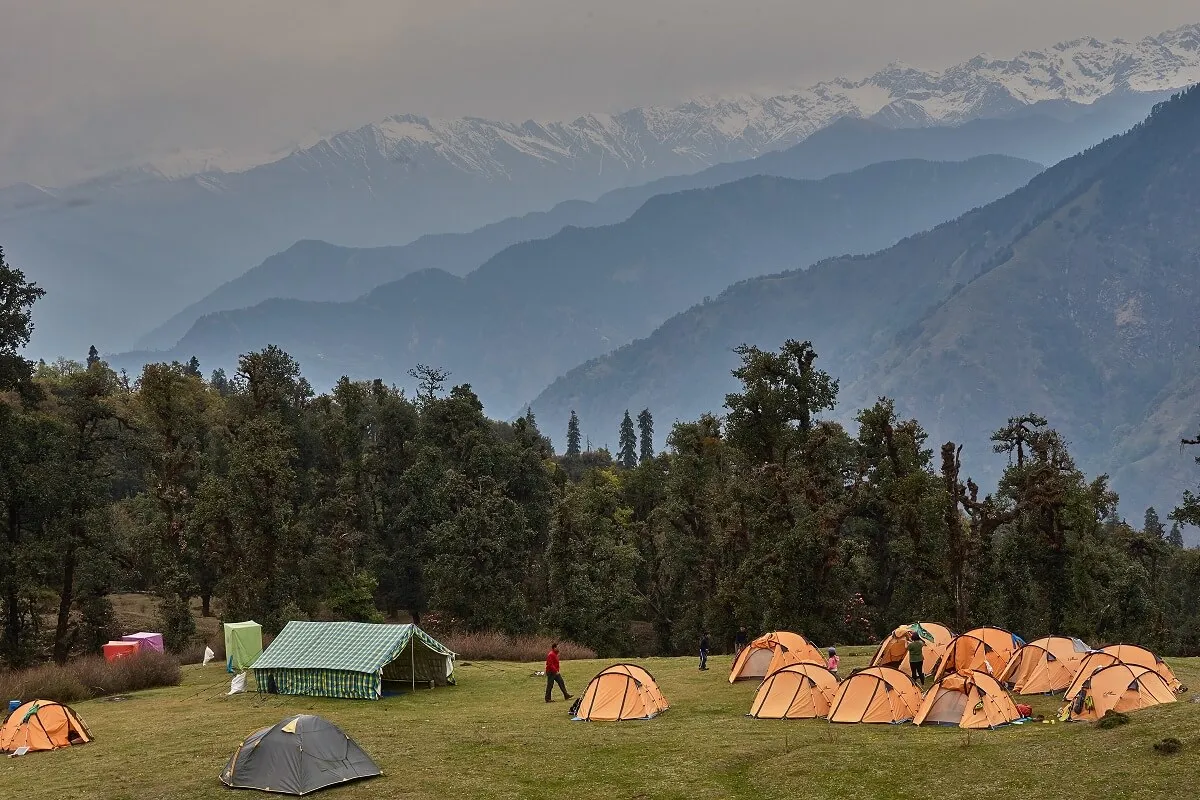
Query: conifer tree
{"type": "Point", "coordinates": [573, 435]}
{"type": "Point", "coordinates": [627, 452]}
{"type": "Point", "coordinates": [93, 356]}
{"type": "Point", "coordinates": [646, 436]}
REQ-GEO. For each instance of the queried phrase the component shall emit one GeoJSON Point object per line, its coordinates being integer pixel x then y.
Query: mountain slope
{"type": "Point", "coordinates": [537, 307]}
{"type": "Point", "coordinates": [319, 271]}
{"type": "Point", "coordinates": [115, 251]}
{"type": "Point", "coordinates": [1075, 296]}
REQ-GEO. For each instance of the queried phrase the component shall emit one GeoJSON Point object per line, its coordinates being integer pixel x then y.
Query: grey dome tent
{"type": "Point", "coordinates": [299, 755]}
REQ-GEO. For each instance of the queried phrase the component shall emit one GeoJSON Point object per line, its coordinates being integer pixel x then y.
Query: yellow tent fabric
{"type": "Point", "coordinates": [1044, 666]}
{"type": "Point", "coordinates": [893, 651]}
{"type": "Point", "coordinates": [972, 700]}
{"type": "Point", "coordinates": [1133, 654]}
{"type": "Point", "coordinates": [42, 725]}
{"type": "Point", "coordinates": [620, 692]}
{"type": "Point", "coordinates": [759, 657]}
{"type": "Point", "coordinates": [796, 691]}
{"type": "Point", "coordinates": [987, 650]}
{"type": "Point", "coordinates": [1119, 687]}
{"type": "Point", "coordinates": [876, 694]}
{"type": "Point", "coordinates": [1091, 663]}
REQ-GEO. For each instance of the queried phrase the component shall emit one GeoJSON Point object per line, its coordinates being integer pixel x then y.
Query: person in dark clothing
{"type": "Point", "coordinates": [553, 676]}
{"type": "Point", "coordinates": [739, 642]}
{"type": "Point", "coordinates": [704, 650]}
{"type": "Point", "coordinates": [916, 657]}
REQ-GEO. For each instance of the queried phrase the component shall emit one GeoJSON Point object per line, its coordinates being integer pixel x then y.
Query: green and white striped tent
{"type": "Point", "coordinates": [350, 659]}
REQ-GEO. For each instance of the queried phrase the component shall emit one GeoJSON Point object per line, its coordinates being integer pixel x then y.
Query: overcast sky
{"type": "Point", "coordinates": [87, 85]}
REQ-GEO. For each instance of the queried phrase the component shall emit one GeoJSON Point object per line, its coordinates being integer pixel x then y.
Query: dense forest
{"type": "Point", "coordinates": [268, 501]}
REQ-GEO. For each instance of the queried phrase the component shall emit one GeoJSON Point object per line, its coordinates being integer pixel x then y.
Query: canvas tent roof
{"type": "Point", "coordinates": [985, 649]}
{"type": "Point", "coordinates": [766, 653]}
{"type": "Point", "coordinates": [243, 644]}
{"type": "Point", "coordinates": [1044, 665]}
{"type": "Point", "coordinates": [972, 700]}
{"type": "Point", "coordinates": [350, 659]}
{"type": "Point", "coordinates": [876, 694]}
{"type": "Point", "coordinates": [42, 725]}
{"type": "Point", "coordinates": [1135, 654]}
{"type": "Point", "coordinates": [620, 692]}
{"type": "Point", "coordinates": [893, 650]}
{"type": "Point", "coordinates": [298, 755]}
{"type": "Point", "coordinates": [1118, 687]}
{"type": "Point", "coordinates": [795, 691]}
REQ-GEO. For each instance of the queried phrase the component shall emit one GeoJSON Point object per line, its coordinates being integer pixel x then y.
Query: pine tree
{"type": "Point", "coordinates": [193, 367]}
{"type": "Point", "coordinates": [646, 434]}
{"type": "Point", "coordinates": [1152, 526]}
{"type": "Point", "coordinates": [1175, 537]}
{"type": "Point", "coordinates": [93, 356]}
{"type": "Point", "coordinates": [573, 435]}
{"type": "Point", "coordinates": [627, 452]}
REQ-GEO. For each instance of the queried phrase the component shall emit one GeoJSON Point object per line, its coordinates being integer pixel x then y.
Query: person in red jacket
{"type": "Point", "coordinates": [552, 674]}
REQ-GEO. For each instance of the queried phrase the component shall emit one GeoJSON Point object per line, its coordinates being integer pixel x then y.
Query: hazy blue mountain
{"type": "Point", "coordinates": [1075, 296]}
{"type": "Point", "coordinates": [119, 254]}
{"type": "Point", "coordinates": [538, 307]}
{"type": "Point", "coordinates": [310, 270]}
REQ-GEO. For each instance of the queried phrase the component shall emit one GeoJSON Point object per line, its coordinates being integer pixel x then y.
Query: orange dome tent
{"type": "Point", "coordinates": [971, 700]}
{"type": "Point", "coordinates": [796, 691]}
{"type": "Point", "coordinates": [876, 694]}
{"type": "Point", "coordinates": [1133, 654]}
{"type": "Point", "coordinates": [1092, 662]}
{"type": "Point", "coordinates": [620, 692]}
{"type": "Point", "coordinates": [893, 651]}
{"type": "Point", "coordinates": [1045, 665]}
{"type": "Point", "coordinates": [42, 725]}
{"type": "Point", "coordinates": [772, 651]}
{"type": "Point", "coordinates": [1118, 687]}
{"type": "Point", "coordinates": [984, 649]}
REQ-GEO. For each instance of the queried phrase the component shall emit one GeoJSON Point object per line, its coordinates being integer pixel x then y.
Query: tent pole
{"type": "Point", "coordinates": [412, 656]}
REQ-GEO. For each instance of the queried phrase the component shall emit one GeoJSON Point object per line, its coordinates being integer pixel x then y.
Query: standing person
{"type": "Point", "coordinates": [916, 657]}
{"type": "Point", "coordinates": [704, 650]}
{"type": "Point", "coordinates": [832, 663]}
{"type": "Point", "coordinates": [739, 642]}
{"type": "Point", "coordinates": [553, 676]}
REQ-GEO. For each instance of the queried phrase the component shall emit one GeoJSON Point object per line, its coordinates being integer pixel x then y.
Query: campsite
{"type": "Point", "coordinates": [491, 736]}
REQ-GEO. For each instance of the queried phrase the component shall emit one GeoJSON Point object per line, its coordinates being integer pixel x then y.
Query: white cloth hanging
{"type": "Point", "coordinates": [209, 655]}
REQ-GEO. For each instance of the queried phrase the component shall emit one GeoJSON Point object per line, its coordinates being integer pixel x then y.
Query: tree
{"type": "Point", "coordinates": [17, 297]}
{"type": "Point", "coordinates": [627, 451]}
{"type": "Point", "coordinates": [93, 356]}
{"type": "Point", "coordinates": [1175, 537]}
{"type": "Point", "coordinates": [645, 436]}
{"type": "Point", "coordinates": [781, 393]}
{"type": "Point", "coordinates": [573, 437]}
{"type": "Point", "coordinates": [430, 381]}
{"type": "Point", "coordinates": [1188, 511]}
{"type": "Point", "coordinates": [1152, 526]}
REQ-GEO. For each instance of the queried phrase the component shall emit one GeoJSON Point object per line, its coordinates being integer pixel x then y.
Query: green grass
{"type": "Point", "coordinates": [492, 736]}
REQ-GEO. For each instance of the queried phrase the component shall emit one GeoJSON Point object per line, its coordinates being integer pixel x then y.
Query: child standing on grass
{"type": "Point", "coordinates": [704, 650]}
{"type": "Point", "coordinates": [833, 662]}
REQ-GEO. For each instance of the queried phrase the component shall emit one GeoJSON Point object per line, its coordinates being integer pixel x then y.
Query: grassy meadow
{"type": "Point", "coordinates": [492, 736]}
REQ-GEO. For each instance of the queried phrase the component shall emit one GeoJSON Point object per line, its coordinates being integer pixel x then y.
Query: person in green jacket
{"type": "Point", "coordinates": [916, 657]}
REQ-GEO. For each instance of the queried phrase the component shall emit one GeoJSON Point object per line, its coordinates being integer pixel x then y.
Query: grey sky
{"type": "Point", "coordinates": [86, 85]}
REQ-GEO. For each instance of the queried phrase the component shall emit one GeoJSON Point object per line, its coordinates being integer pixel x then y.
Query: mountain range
{"type": "Point", "coordinates": [316, 270]}
{"type": "Point", "coordinates": [120, 253]}
{"type": "Point", "coordinates": [538, 308]}
{"type": "Point", "coordinates": [1075, 297]}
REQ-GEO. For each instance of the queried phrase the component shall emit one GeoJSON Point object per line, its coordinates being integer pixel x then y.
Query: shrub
{"type": "Point", "coordinates": [90, 677]}
{"type": "Point", "coordinates": [492, 646]}
{"type": "Point", "coordinates": [1113, 719]}
{"type": "Point", "coordinates": [1168, 746]}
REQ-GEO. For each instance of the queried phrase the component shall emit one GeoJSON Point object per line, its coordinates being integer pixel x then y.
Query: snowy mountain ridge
{"type": "Point", "coordinates": [706, 130]}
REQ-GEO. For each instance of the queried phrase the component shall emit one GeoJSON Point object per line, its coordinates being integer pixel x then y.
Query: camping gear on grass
{"type": "Point", "coordinates": [146, 641]}
{"type": "Point", "coordinates": [298, 755]}
{"type": "Point", "coordinates": [795, 691]}
{"type": "Point", "coordinates": [1133, 654]}
{"type": "Point", "coordinates": [620, 692]}
{"type": "Point", "coordinates": [876, 694]}
{"type": "Point", "coordinates": [351, 659]}
{"type": "Point", "coordinates": [243, 644]}
{"type": "Point", "coordinates": [985, 649]}
{"type": "Point", "coordinates": [972, 700]}
{"type": "Point", "coordinates": [1119, 687]}
{"type": "Point", "coordinates": [42, 725]}
{"type": "Point", "coordinates": [1044, 665]}
{"type": "Point", "coordinates": [114, 650]}
{"type": "Point", "coordinates": [771, 651]}
{"type": "Point", "coordinates": [893, 651]}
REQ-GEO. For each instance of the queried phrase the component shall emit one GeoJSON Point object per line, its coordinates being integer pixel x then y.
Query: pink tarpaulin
{"type": "Point", "coordinates": [146, 641]}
